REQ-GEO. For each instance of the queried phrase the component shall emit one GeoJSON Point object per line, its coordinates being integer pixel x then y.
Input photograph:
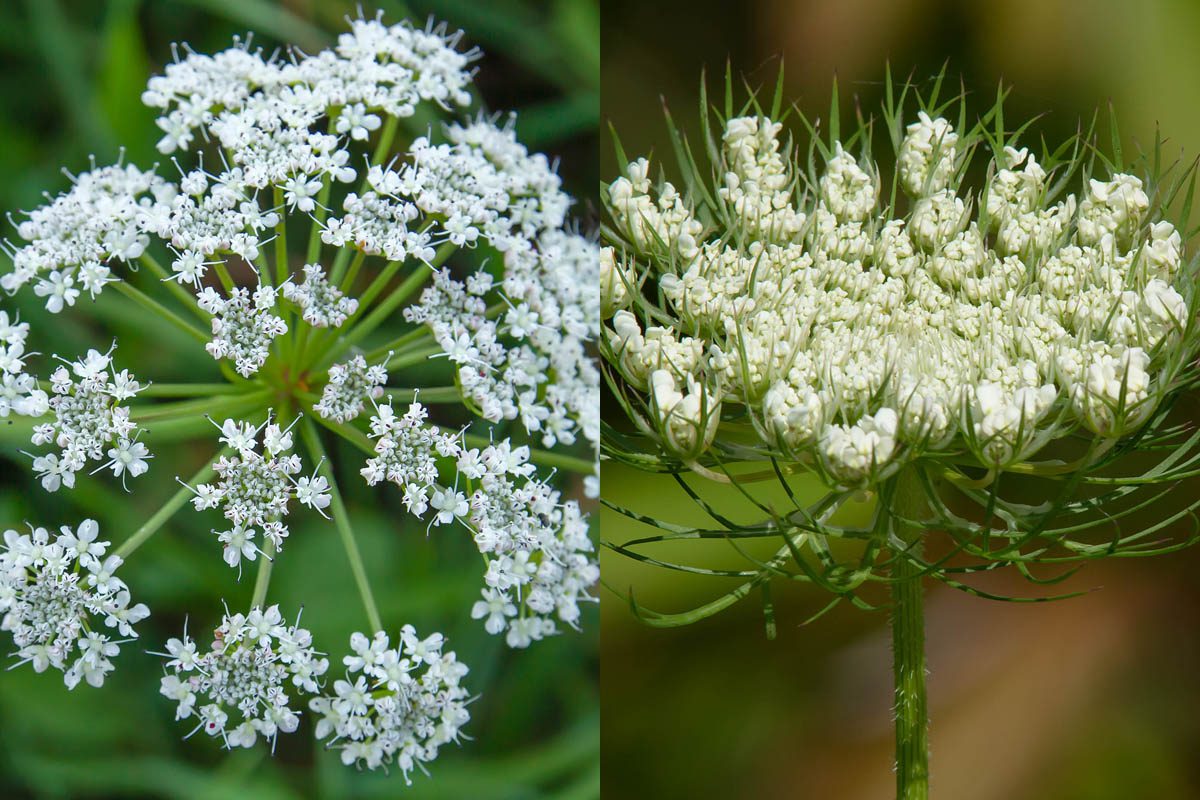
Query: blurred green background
{"type": "Point", "coordinates": [1089, 699]}
{"type": "Point", "coordinates": [71, 75]}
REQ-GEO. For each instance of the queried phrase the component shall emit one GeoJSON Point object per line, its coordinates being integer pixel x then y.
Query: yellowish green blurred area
{"type": "Point", "coordinates": [1093, 698]}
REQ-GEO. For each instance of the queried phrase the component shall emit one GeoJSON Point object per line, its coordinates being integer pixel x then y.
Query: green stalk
{"type": "Point", "coordinates": [183, 295]}
{"type": "Point", "coordinates": [428, 394]}
{"type": "Point", "coordinates": [281, 249]}
{"type": "Point", "coordinates": [399, 343]}
{"type": "Point", "coordinates": [313, 253]}
{"type": "Point", "coordinates": [408, 359]}
{"type": "Point", "coordinates": [193, 389]}
{"type": "Point", "coordinates": [160, 517]}
{"type": "Point", "coordinates": [352, 273]}
{"type": "Point", "coordinates": [199, 407]}
{"type": "Point", "coordinates": [155, 307]}
{"type": "Point", "coordinates": [342, 520]}
{"type": "Point", "coordinates": [263, 579]}
{"type": "Point", "coordinates": [908, 640]}
{"type": "Point", "coordinates": [381, 312]}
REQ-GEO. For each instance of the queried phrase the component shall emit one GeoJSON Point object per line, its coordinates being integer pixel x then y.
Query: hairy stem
{"type": "Point", "coordinates": [908, 639]}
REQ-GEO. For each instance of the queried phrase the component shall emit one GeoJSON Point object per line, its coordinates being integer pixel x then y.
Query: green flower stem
{"type": "Point", "coordinates": [313, 441]}
{"type": "Point", "coordinates": [199, 407]}
{"type": "Point", "coordinates": [161, 516]}
{"type": "Point", "coordinates": [339, 265]}
{"type": "Point", "coordinates": [429, 394]}
{"type": "Point", "coordinates": [399, 343]}
{"type": "Point", "coordinates": [155, 307]}
{"type": "Point", "coordinates": [376, 286]}
{"type": "Point", "coordinates": [194, 389]}
{"type": "Point", "coordinates": [184, 296]}
{"type": "Point", "coordinates": [348, 432]}
{"type": "Point", "coordinates": [381, 312]}
{"type": "Point", "coordinates": [386, 137]}
{"type": "Point", "coordinates": [226, 278]}
{"type": "Point", "coordinates": [908, 640]}
{"type": "Point", "coordinates": [352, 273]}
{"type": "Point", "coordinates": [543, 458]}
{"type": "Point", "coordinates": [263, 579]}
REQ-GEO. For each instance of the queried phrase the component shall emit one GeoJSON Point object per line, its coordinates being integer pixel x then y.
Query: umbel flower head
{"type": "Point", "coordinates": [315, 242]}
{"type": "Point", "coordinates": [397, 704]}
{"type": "Point", "coordinates": [239, 688]}
{"type": "Point", "coordinates": [979, 337]}
{"type": "Point", "coordinates": [971, 306]}
{"type": "Point", "coordinates": [55, 590]}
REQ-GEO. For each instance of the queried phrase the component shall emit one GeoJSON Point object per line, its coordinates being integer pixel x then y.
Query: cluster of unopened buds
{"type": "Point", "coordinates": [267, 148]}
{"type": "Point", "coordinates": [860, 333]}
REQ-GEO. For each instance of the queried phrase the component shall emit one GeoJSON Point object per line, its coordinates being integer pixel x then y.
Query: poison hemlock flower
{"type": "Point", "coordinates": [55, 591]}
{"type": "Point", "coordinates": [243, 686]}
{"type": "Point", "coordinates": [447, 247]}
{"type": "Point", "coordinates": [397, 704]}
{"type": "Point", "coordinates": [254, 488]}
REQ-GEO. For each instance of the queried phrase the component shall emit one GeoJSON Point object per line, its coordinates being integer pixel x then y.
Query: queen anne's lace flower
{"type": "Point", "coordinates": [89, 423]}
{"type": "Point", "coordinates": [54, 592]}
{"type": "Point", "coordinates": [257, 140]}
{"type": "Point", "coordinates": [254, 488]}
{"type": "Point", "coordinates": [532, 364]}
{"type": "Point", "coordinates": [242, 687]}
{"type": "Point", "coordinates": [72, 240]}
{"type": "Point", "coordinates": [540, 561]}
{"type": "Point", "coordinates": [858, 340]}
{"type": "Point", "coordinates": [397, 705]}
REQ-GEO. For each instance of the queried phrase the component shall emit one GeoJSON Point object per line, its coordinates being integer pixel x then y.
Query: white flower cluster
{"type": "Point", "coordinates": [89, 423]}
{"type": "Point", "coordinates": [73, 238]}
{"type": "Point", "coordinates": [322, 305]}
{"type": "Point", "coordinates": [238, 689]}
{"type": "Point", "coordinates": [351, 385]}
{"type": "Point", "coordinates": [243, 326]}
{"type": "Point", "coordinates": [54, 591]}
{"type": "Point", "coordinates": [859, 336]}
{"type": "Point", "coordinates": [533, 363]}
{"type": "Point", "coordinates": [264, 112]}
{"type": "Point", "coordinates": [404, 703]}
{"type": "Point", "coordinates": [539, 556]}
{"type": "Point", "coordinates": [407, 449]}
{"type": "Point", "coordinates": [254, 489]}
{"type": "Point", "coordinates": [540, 559]}
{"type": "Point", "coordinates": [19, 391]}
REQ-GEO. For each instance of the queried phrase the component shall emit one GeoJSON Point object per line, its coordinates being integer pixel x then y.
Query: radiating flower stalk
{"type": "Point", "coordinates": [318, 241]}
{"type": "Point", "coordinates": [982, 339]}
